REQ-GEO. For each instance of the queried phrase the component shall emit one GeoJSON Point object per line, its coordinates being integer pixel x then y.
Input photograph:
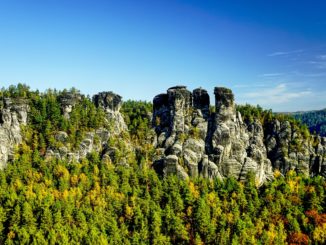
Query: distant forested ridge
{"type": "Point", "coordinates": [80, 170]}
{"type": "Point", "coordinates": [315, 120]}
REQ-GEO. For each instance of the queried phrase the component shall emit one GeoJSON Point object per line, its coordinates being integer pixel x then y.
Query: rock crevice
{"type": "Point", "coordinates": [220, 144]}
{"type": "Point", "coordinates": [13, 115]}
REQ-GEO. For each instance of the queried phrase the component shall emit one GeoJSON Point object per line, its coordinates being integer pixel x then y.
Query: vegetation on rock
{"type": "Point", "coordinates": [114, 196]}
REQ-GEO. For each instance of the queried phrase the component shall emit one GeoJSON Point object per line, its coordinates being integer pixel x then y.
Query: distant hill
{"type": "Point", "coordinates": [315, 120]}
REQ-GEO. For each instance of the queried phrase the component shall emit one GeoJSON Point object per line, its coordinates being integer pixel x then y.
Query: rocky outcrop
{"type": "Point", "coordinates": [93, 141]}
{"type": "Point", "coordinates": [68, 100]}
{"type": "Point", "coordinates": [236, 148]}
{"type": "Point", "coordinates": [98, 139]}
{"type": "Point", "coordinates": [288, 149]}
{"type": "Point", "coordinates": [190, 138]}
{"type": "Point", "coordinates": [193, 141]}
{"type": "Point", "coordinates": [13, 114]}
{"type": "Point", "coordinates": [111, 104]}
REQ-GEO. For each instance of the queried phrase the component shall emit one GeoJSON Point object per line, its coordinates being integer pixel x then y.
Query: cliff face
{"type": "Point", "coordinates": [192, 141]}
{"type": "Point", "coordinates": [13, 114]}
{"type": "Point", "coordinates": [289, 150]}
{"type": "Point", "coordinates": [111, 103]}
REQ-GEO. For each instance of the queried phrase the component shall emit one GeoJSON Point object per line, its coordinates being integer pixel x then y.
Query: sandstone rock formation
{"type": "Point", "coordinates": [93, 141]}
{"type": "Point", "coordinates": [235, 149]}
{"type": "Point", "coordinates": [191, 140]}
{"type": "Point", "coordinates": [289, 150]}
{"type": "Point", "coordinates": [12, 116]}
{"type": "Point", "coordinates": [111, 103]}
{"type": "Point", "coordinates": [68, 100]}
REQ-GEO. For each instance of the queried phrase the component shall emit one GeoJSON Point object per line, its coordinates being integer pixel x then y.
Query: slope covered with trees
{"type": "Point", "coordinates": [99, 201]}
{"type": "Point", "coordinates": [315, 120]}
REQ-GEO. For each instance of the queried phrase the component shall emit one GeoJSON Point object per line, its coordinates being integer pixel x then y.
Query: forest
{"type": "Point", "coordinates": [99, 201]}
{"type": "Point", "coordinates": [315, 120]}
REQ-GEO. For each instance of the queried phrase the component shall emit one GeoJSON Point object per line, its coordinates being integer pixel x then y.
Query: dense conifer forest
{"type": "Point", "coordinates": [316, 120]}
{"type": "Point", "coordinates": [99, 201]}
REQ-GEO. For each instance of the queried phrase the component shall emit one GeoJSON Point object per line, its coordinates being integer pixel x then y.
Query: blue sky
{"type": "Point", "coordinates": [271, 53]}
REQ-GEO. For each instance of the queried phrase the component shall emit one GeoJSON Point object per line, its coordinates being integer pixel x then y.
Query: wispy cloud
{"type": "Point", "coordinates": [321, 57]}
{"type": "Point", "coordinates": [318, 61]}
{"type": "Point", "coordinates": [320, 74]}
{"type": "Point", "coordinates": [320, 64]}
{"type": "Point", "coordinates": [250, 85]}
{"type": "Point", "coordinates": [277, 95]}
{"type": "Point", "coordinates": [271, 75]}
{"type": "Point", "coordinates": [284, 53]}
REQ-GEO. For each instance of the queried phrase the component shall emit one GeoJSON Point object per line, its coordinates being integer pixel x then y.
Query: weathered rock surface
{"type": "Point", "coordinates": [181, 121]}
{"type": "Point", "coordinates": [289, 150]}
{"type": "Point", "coordinates": [193, 141]}
{"type": "Point", "coordinates": [97, 140]}
{"type": "Point", "coordinates": [12, 116]}
{"type": "Point", "coordinates": [93, 141]}
{"type": "Point", "coordinates": [190, 140]}
{"type": "Point", "coordinates": [237, 148]}
{"type": "Point", "coordinates": [111, 104]}
{"type": "Point", "coordinates": [68, 100]}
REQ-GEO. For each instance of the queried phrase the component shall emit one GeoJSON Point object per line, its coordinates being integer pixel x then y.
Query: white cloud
{"type": "Point", "coordinates": [283, 53]}
{"type": "Point", "coordinates": [322, 57]}
{"type": "Point", "coordinates": [308, 74]}
{"type": "Point", "coordinates": [277, 95]}
{"type": "Point", "coordinates": [257, 85]}
{"type": "Point", "coordinates": [277, 53]}
{"type": "Point", "coordinates": [320, 74]}
{"type": "Point", "coordinates": [318, 64]}
{"type": "Point", "coordinates": [271, 75]}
